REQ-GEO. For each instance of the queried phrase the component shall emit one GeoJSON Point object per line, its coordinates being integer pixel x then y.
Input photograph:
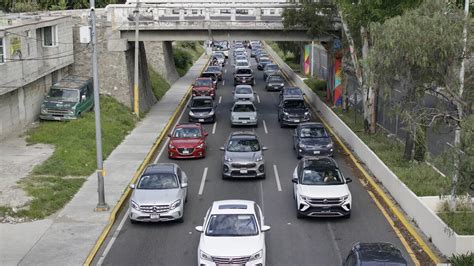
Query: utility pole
{"type": "Point", "coordinates": [457, 131]}
{"type": "Point", "coordinates": [101, 205]}
{"type": "Point", "coordinates": [136, 108]}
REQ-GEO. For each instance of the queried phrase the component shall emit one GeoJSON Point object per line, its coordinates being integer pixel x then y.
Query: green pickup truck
{"type": "Point", "coordinates": [68, 99]}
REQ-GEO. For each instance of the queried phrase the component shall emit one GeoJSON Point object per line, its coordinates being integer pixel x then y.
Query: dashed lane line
{"type": "Point", "coordinates": [112, 240]}
{"type": "Point", "coordinates": [277, 177]}
{"type": "Point", "coordinates": [265, 127]}
{"type": "Point", "coordinates": [203, 180]}
{"type": "Point", "coordinates": [214, 127]}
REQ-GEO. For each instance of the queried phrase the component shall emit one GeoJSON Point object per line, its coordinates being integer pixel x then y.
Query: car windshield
{"type": "Point", "coordinates": [244, 71]}
{"type": "Point", "coordinates": [313, 132]}
{"type": "Point", "coordinates": [240, 57]}
{"type": "Point", "coordinates": [275, 79]}
{"type": "Point", "coordinates": [218, 55]}
{"type": "Point", "coordinates": [265, 61]}
{"type": "Point", "coordinates": [201, 103]}
{"type": "Point", "coordinates": [294, 104]}
{"type": "Point", "coordinates": [203, 83]}
{"type": "Point", "coordinates": [241, 63]}
{"type": "Point", "coordinates": [64, 94]}
{"type": "Point", "coordinates": [294, 91]}
{"type": "Point", "coordinates": [315, 176]}
{"type": "Point", "coordinates": [213, 69]}
{"type": "Point", "coordinates": [187, 133]}
{"type": "Point", "coordinates": [271, 67]}
{"type": "Point", "coordinates": [208, 75]}
{"type": "Point", "coordinates": [244, 108]}
{"type": "Point", "coordinates": [243, 145]}
{"type": "Point", "coordinates": [158, 181]}
{"type": "Point", "coordinates": [243, 90]}
{"type": "Point", "coordinates": [232, 225]}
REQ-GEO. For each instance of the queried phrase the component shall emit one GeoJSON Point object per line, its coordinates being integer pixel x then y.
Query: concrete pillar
{"type": "Point", "coordinates": [21, 105]}
{"type": "Point", "coordinates": [207, 14]}
{"type": "Point", "coordinates": [258, 14]}
{"type": "Point", "coordinates": [171, 73]}
{"type": "Point", "coordinates": [232, 14]}
{"type": "Point", "coordinates": [181, 14]}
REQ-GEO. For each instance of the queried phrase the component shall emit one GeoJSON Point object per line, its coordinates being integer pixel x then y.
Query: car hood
{"type": "Point", "coordinates": [315, 141]}
{"type": "Point", "coordinates": [324, 191]}
{"type": "Point", "coordinates": [201, 109]}
{"type": "Point", "coordinates": [243, 75]}
{"type": "Point", "coordinates": [58, 104]}
{"type": "Point", "coordinates": [155, 196]}
{"type": "Point", "coordinates": [243, 156]}
{"type": "Point", "coordinates": [244, 95]}
{"type": "Point", "coordinates": [296, 111]}
{"type": "Point", "coordinates": [231, 246]}
{"type": "Point", "coordinates": [273, 83]}
{"type": "Point", "coordinates": [244, 114]}
{"type": "Point", "coordinates": [202, 88]}
{"type": "Point", "coordinates": [185, 143]}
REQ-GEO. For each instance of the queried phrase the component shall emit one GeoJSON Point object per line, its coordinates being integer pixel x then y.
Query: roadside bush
{"type": "Point", "coordinates": [182, 60]}
{"type": "Point", "coordinates": [462, 259]}
{"type": "Point", "coordinates": [159, 85]}
{"type": "Point", "coordinates": [316, 84]}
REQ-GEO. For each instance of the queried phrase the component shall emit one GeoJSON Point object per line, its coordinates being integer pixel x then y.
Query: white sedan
{"type": "Point", "coordinates": [233, 233]}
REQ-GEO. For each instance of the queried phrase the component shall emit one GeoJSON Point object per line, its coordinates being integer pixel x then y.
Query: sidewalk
{"type": "Point", "coordinates": [67, 238]}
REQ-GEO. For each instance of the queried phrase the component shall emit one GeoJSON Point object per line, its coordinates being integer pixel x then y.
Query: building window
{"type": "Point", "coordinates": [2, 50]}
{"type": "Point", "coordinates": [50, 36]}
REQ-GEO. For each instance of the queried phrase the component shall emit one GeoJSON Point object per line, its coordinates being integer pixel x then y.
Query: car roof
{"type": "Point", "coordinates": [321, 163]}
{"type": "Point", "coordinates": [188, 125]}
{"type": "Point", "coordinates": [292, 97]}
{"type": "Point", "coordinates": [160, 168]}
{"type": "Point", "coordinates": [243, 86]}
{"type": "Point", "coordinates": [233, 207]}
{"type": "Point", "coordinates": [244, 103]}
{"type": "Point", "coordinates": [248, 134]}
{"type": "Point", "coordinates": [379, 252]}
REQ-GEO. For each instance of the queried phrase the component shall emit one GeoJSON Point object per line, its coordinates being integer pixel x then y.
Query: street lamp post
{"type": "Point", "coordinates": [101, 205]}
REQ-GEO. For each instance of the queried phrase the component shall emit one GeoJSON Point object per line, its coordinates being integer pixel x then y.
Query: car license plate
{"type": "Point", "coordinates": [244, 122]}
{"type": "Point", "coordinates": [297, 120]}
{"type": "Point", "coordinates": [244, 81]}
{"type": "Point", "coordinates": [185, 152]}
{"type": "Point", "coordinates": [201, 120]}
{"type": "Point", "coordinates": [154, 216]}
{"type": "Point", "coordinates": [316, 152]}
{"type": "Point", "coordinates": [244, 171]}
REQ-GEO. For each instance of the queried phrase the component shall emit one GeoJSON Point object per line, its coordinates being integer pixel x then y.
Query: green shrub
{"type": "Point", "coordinates": [182, 60]}
{"type": "Point", "coordinates": [159, 85]}
{"type": "Point", "coordinates": [316, 84]}
{"type": "Point", "coordinates": [462, 259]}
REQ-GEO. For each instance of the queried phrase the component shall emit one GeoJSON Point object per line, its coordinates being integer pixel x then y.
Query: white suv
{"type": "Point", "coordinates": [233, 233]}
{"type": "Point", "coordinates": [320, 189]}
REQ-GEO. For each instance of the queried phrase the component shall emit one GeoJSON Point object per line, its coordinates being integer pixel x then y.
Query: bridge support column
{"type": "Point", "coordinates": [258, 14]}
{"type": "Point", "coordinates": [207, 14]}
{"type": "Point", "coordinates": [233, 12]}
{"type": "Point", "coordinates": [181, 15]}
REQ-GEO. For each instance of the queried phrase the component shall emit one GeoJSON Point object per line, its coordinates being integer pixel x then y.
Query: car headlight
{"type": "Point", "coordinates": [171, 146]}
{"type": "Point", "coordinates": [191, 113]}
{"type": "Point", "coordinates": [259, 158]}
{"type": "Point", "coordinates": [200, 146]}
{"type": "Point", "coordinates": [282, 84]}
{"type": "Point", "coordinates": [257, 255]}
{"type": "Point", "coordinates": [306, 113]}
{"type": "Point", "coordinates": [227, 159]}
{"type": "Point", "coordinates": [211, 112]}
{"type": "Point", "coordinates": [205, 256]}
{"type": "Point", "coordinates": [304, 198]}
{"type": "Point", "coordinates": [344, 198]}
{"type": "Point", "coordinates": [329, 145]}
{"type": "Point", "coordinates": [303, 146]}
{"type": "Point", "coordinates": [252, 118]}
{"type": "Point", "coordinates": [134, 205]}
{"type": "Point", "coordinates": [285, 113]}
{"type": "Point", "coordinates": [175, 204]}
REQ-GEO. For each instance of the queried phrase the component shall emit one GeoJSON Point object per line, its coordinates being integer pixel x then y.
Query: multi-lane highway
{"type": "Point", "coordinates": [291, 241]}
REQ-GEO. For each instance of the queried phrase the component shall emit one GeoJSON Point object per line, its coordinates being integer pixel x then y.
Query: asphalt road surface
{"type": "Point", "coordinates": [291, 241]}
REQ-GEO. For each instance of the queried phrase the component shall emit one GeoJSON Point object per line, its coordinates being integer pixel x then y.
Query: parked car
{"type": "Point", "coordinates": [274, 82]}
{"type": "Point", "coordinates": [243, 156]}
{"type": "Point", "coordinates": [243, 113]}
{"type": "Point", "coordinates": [375, 254]}
{"type": "Point", "coordinates": [270, 69]}
{"type": "Point", "coordinates": [243, 93]}
{"type": "Point", "coordinates": [202, 109]}
{"type": "Point", "coordinates": [263, 62]}
{"type": "Point", "coordinates": [159, 194]}
{"type": "Point", "coordinates": [187, 141]}
{"type": "Point", "coordinates": [68, 99]}
{"type": "Point", "coordinates": [217, 70]}
{"type": "Point", "coordinates": [312, 139]}
{"type": "Point", "coordinates": [244, 75]}
{"type": "Point", "coordinates": [233, 233]}
{"type": "Point", "coordinates": [292, 110]}
{"type": "Point", "coordinates": [320, 189]}
{"type": "Point", "coordinates": [204, 87]}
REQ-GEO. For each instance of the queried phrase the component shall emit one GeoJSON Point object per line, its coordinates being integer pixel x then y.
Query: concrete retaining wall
{"type": "Point", "coordinates": [444, 238]}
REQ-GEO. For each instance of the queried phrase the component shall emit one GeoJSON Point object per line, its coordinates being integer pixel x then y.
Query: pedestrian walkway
{"type": "Point", "coordinates": [68, 238]}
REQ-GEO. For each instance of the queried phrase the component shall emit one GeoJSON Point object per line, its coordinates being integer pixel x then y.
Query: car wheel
{"type": "Point", "coordinates": [180, 220]}
{"type": "Point", "coordinates": [299, 215]}
{"type": "Point", "coordinates": [298, 155]}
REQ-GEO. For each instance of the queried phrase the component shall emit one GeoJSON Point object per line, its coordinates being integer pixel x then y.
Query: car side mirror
{"type": "Point", "coordinates": [132, 186]}
{"type": "Point", "coordinates": [264, 148]}
{"type": "Point", "coordinates": [222, 148]}
{"type": "Point", "coordinates": [206, 134]}
{"type": "Point", "coordinates": [265, 228]}
{"type": "Point", "coordinates": [184, 185]}
{"type": "Point", "coordinates": [254, 93]}
{"type": "Point", "coordinates": [348, 180]}
{"type": "Point", "coordinates": [294, 180]}
{"type": "Point", "coordinates": [199, 229]}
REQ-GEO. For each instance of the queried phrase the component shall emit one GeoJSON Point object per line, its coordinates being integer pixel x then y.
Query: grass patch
{"type": "Point", "coordinates": [74, 141]}
{"type": "Point", "coordinates": [159, 85]}
{"type": "Point", "coordinates": [318, 86]}
{"type": "Point", "coordinates": [185, 54]}
{"type": "Point", "coordinates": [288, 57]}
{"type": "Point", "coordinates": [461, 222]}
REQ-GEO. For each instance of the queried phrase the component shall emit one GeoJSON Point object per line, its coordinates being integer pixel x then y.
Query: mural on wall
{"type": "Point", "coordinates": [337, 82]}
{"type": "Point", "coordinates": [307, 59]}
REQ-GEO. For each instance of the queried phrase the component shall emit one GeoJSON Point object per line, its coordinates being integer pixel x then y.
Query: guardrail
{"type": "Point", "coordinates": [443, 237]}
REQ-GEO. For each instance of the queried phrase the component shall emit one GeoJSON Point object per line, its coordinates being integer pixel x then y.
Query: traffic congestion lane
{"type": "Point", "coordinates": [291, 241]}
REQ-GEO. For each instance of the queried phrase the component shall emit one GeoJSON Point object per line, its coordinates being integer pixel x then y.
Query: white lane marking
{"type": "Point", "coordinates": [112, 240]}
{"type": "Point", "coordinates": [167, 138]}
{"type": "Point", "coordinates": [220, 99]}
{"type": "Point", "coordinates": [261, 197]}
{"type": "Point", "coordinates": [258, 99]}
{"type": "Point", "coordinates": [277, 177]}
{"type": "Point", "coordinates": [335, 246]}
{"type": "Point", "coordinates": [225, 70]}
{"type": "Point", "coordinates": [214, 127]}
{"type": "Point", "coordinates": [203, 180]}
{"type": "Point", "coordinates": [265, 127]}
{"type": "Point", "coordinates": [223, 83]}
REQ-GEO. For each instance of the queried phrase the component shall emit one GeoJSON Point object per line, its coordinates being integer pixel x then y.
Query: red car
{"type": "Point", "coordinates": [187, 141]}
{"type": "Point", "coordinates": [204, 87]}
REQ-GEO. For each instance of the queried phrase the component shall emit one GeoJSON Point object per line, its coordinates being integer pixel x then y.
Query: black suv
{"type": "Point", "coordinates": [244, 75]}
{"type": "Point", "coordinates": [312, 139]}
{"type": "Point", "coordinates": [375, 254]}
{"type": "Point", "coordinates": [292, 110]}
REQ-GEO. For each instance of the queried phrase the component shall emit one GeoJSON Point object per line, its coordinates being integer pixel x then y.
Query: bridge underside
{"type": "Point", "coordinates": [219, 34]}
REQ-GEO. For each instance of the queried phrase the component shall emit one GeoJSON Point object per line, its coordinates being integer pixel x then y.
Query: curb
{"type": "Point", "coordinates": [115, 211]}
{"type": "Point", "coordinates": [380, 193]}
